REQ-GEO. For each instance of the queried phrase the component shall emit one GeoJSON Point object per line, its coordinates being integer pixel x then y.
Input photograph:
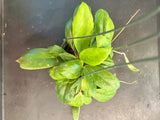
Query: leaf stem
{"type": "Point", "coordinates": [126, 24]}
{"type": "Point", "coordinates": [130, 83]}
{"type": "Point", "coordinates": [121, 53]}
{"type": "Point", "coordinates": [75, 112]}
{"type": "Point", "coordinates": [143, 18]}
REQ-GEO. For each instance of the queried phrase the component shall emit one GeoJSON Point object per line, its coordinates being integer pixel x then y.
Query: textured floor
{"type": "Point", "coordinates": [31, 95]}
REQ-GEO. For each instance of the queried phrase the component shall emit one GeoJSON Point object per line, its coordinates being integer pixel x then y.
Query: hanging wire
{"type": "Point", "coordinates": [139, 41]}
{"type": "Point", "coordinates": [143, 18]}
{"type": "Point", "coordinates": [156, 11]}
{"type": "Point", "coordinates": [124, 64]}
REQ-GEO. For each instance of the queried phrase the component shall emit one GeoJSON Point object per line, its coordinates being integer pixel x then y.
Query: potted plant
{"type": "Point", "coordinates": [78, 66]}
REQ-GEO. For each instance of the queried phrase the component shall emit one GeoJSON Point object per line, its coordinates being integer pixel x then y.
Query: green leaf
{"type": "Point", "coordinates": [108, 62]}
{"type": "Point", "coordinates": [94, 56]}
{"type": "Point", "coordinates": [64, 93]}
{"type": "Point", "coordinates": [111, 54]}
{"type": "Point", "coordinates": [88, 82]}
{"type": "Point", "coordinates": [130, 66]}
{"type": "Point", "coordinates": [67, 70]}
{"type": "Point", "coordinates": [38, 58]}
{"type": "Point", "coordinates": [87, 93]}
{"type": "Point", "coordinates": [56, 50]}
{"type": "Point", "coordinates": [75, 11]}
{"type": "Point", "coordinates": [82, 26]}
{"type": "Point", "coordinates": [85, 85]}
{"type": "Point", "coordinates": [77, 85]}
{"type": "Point", "coordinates": [102, 42]}
{"type": "Point", "coordinates": [65, 81]}
{"type": "Point", "coordinates": [105, 82]}
{"type": "Point", "coordinates": [67, 56]}
{"type": "Point", "coordinates": [103, 23]}
{"type": "Point", "coordinates": [75, 112]}
{"type": "Point", "coordinates": [68, 33]}
{"type": "Point", "coordinates": [68, 29]}
{"type": "Point", "coordinates": [78, 100]}
{"type": "Point", "coordinates": [103, 95]}
{"type": "Point", "coordinates": [87, 100]}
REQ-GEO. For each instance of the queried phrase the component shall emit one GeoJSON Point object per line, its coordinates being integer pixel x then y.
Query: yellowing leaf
{"type": "Point", "coordinates": [130, 66]}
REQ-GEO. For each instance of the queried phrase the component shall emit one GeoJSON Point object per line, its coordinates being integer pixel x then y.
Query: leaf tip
{"type": "Point", "coordinates": [18, 60]}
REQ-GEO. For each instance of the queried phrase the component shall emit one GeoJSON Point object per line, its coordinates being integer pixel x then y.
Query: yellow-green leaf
{"type": "Point", "coordinates": [82, 26]}
{"type": "Point", "coordinates": [130, 66]}
{"type": "Point", "coordinates": [56, 50]}
{"type": "Point", "coordinates": [102, 42]}
{"type": "Point", "coordinates": [75, 112]}
{"type": "Point", "coordinates": [78, 100]}
{"type": "Point", "coordinates": [94, 56]}
{"type": "Point", "coordinates": [103, 23]}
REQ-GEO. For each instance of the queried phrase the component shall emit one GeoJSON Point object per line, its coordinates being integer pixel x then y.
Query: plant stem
{"type": "Point", "coordinates": [126, 26]}
{"type": "Point", "coordinates": [139, 41]}
{"type": "Point", "coordinates": [128, 82]}
{"type": "Point", "coordinates": [121, 53]}
{"type": "Point", "coordinates": [75, 112]}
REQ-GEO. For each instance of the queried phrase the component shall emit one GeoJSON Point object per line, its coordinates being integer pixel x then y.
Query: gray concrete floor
{"type": "Point", "coordinates": [31, 95]}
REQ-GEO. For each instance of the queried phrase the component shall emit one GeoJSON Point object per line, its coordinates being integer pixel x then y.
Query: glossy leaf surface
{"type": "Point", "coordinates": [78, 100]}
{"type": "Point", "coordinates": [38, 58]}
{"type": "Point", "coordinates": [103, 95]}
{"type": "Point", "coordinates": [102, 42]}
{"type": "Point", "coordinates": [64, 93]}
{"type": "Point", "coordinates": [87, 100]}
{"type": "Point", "coordinates": [56, 50]}
{"type": "Point", "coordinates": [82, 26]}
{"type": "Point", "coordinates": [64, 82]}
{"type": "Point", "coordinates": [89, 82]}
{"type": "Point", "coordinates": [108, 62]}
{"type": "Point", "coordinates": [67, 70]}
{"type": "Point", "coordinates": [85, 85]}
{"type": "Point", "coordinates": [67, 56]}
{"type": "Point", "coordinates": [106, 82]}
{"type": "Point", "coordinates": [103, 23]}
{"type": "Point", "coordinates": [94, 56]}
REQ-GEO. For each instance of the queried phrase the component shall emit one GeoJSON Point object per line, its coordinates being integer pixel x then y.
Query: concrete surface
{"type": "Point", "coordinates": [1, 59]}
{"type": "Point", "coordinates": [31, 95]}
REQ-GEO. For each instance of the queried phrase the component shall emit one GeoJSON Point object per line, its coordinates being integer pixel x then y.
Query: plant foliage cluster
{"type": "Point", "coordinates": [76, 85]}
